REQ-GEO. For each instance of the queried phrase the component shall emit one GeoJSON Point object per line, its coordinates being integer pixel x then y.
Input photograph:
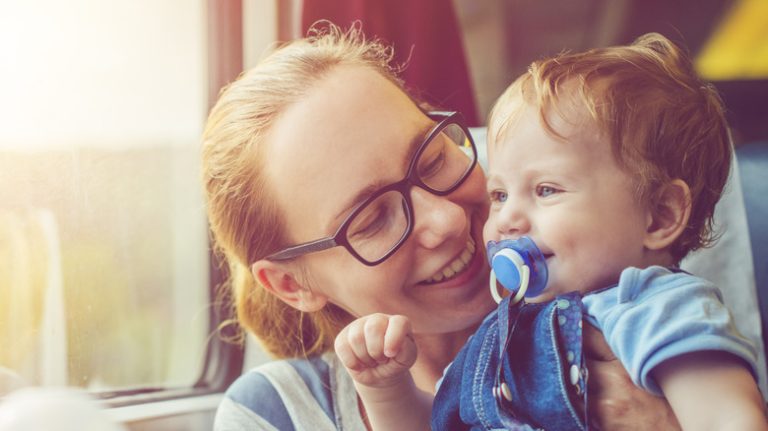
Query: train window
{"type": "Point", "coordinates": [105, 279]}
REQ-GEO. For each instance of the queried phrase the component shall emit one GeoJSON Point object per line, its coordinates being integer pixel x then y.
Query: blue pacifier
{"type": "Point", "coordinates": [519, 266]}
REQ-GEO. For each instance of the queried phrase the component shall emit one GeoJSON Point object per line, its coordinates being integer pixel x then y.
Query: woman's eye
{"type": "Point", "coordinates": [544, 191]}
{"type": "Point", "coordinates": [371, 224]}
{"type": "Point", "coordinates": [432, 165]}
{"type": "Point", "coordinates": [498, 196]}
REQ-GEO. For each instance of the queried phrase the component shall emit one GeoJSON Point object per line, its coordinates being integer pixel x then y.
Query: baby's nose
{"type": "Point", "coordinates": [513, 221]}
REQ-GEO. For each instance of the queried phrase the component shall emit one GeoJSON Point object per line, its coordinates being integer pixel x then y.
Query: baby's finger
{"type": "Point", "coordinates": [357, 342]}
{"type": "Point", "coordinates": [398, 342]}
{"type": "Point", "coordinates": [374, 329]}
{"type": "Point", "coordinates": [345, 354]}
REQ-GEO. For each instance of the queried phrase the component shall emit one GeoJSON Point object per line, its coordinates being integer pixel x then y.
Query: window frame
{"type": "Point", "coordinates": [223, 359]}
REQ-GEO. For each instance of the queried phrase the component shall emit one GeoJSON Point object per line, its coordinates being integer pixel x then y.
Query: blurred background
{"type": "Point", "coordinates": [728, 41]}
{"type": "Point", "coordinates": [107, 281]}
{"type": "Point", "coordinates": [499, 38]}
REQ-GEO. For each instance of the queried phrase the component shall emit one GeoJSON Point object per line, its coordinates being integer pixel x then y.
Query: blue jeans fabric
{"type": "Point", "coordinates": [535, 350]}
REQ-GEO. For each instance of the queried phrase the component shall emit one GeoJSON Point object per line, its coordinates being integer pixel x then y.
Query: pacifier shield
{"type": "Point", "coordinates": [507, 265]}
{"type": "Point", "coordinates": [519, 266]}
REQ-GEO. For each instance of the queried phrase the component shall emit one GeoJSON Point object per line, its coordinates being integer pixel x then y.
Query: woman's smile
{"type": "Point", "coordinates": [454, 267]}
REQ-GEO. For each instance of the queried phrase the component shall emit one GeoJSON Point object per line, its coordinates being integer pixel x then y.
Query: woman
{"type": "Point", "coordinates": [333, 195]}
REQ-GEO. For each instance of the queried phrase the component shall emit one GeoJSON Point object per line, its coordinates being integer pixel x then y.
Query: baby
{"type": "Point", "coordinates": [607, 165]}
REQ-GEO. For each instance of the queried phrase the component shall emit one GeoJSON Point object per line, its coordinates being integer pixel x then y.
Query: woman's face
{"type": "Point", "coordinates": [351, 135]}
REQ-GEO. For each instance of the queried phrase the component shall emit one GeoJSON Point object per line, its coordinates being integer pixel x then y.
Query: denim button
{"type": "Point", "coordinates": [575, 374]}
{"type": "Point", "coordinates": [506, 392]}
{"type": "Point", "coordinates": [501, 390]}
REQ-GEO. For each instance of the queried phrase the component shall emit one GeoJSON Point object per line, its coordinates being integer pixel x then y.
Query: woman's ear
{"type": "Point", "coordinates": [668, 215]}
{"type": "Point", "coordinates": [279, 280]}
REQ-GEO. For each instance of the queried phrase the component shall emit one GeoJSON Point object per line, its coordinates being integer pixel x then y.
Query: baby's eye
{"type": "Point", "coordinates": [544, 191]}
{"type": "Point", "coordinates": [498, 196]}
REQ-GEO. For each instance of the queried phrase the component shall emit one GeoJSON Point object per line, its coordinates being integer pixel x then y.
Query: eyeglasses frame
{"type": "Point", "coordinates": [403, 186]}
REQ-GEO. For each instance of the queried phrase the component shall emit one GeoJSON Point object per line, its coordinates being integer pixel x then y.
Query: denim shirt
{"type": "Point", "coordinates": [525, 381]}
{"type": "Point", "coordinates": [486, 389]}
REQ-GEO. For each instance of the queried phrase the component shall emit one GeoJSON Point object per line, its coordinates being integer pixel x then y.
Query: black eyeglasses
{"type": "Point", "coordinates": [378, 226]}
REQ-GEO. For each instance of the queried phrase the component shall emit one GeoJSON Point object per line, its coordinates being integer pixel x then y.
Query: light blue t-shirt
{"type": "Point", "coordinates": [655, 314]}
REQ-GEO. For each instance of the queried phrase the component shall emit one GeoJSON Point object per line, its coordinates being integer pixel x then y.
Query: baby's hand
{"type": "Point", "coordinates": [377, 350]}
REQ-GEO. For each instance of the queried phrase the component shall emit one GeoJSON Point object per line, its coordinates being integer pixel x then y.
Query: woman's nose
{"type": "Point", "coordinates": [437, 218]}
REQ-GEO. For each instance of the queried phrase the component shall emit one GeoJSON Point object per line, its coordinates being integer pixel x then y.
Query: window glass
{"type": "Point", "coordinates": [104, 279]}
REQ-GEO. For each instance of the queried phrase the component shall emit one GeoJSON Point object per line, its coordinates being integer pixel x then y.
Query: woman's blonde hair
{"type": "Point", "coordinates": [662, 120]}
{"type": "Point", "coordinates": [245, 222]}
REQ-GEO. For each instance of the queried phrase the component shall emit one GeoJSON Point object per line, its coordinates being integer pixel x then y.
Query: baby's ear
{"type": "Point", "coordinates": [279, 280]}
{"type": "Point", "coordinates": [668, 215]}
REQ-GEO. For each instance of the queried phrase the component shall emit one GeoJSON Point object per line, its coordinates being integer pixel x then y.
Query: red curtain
{"type": "Point", "coordinates": [425, 30]}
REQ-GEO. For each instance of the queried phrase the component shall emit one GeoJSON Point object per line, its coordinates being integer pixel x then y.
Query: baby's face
{"type": "Point", "coordinates": [571, 197]}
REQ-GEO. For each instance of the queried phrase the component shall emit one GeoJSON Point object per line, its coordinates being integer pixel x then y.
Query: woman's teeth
{"type": "Point", "coordinates": [456, 266]}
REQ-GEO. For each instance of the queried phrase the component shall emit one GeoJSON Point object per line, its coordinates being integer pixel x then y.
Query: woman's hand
{"type": "Point", "coordinates": [615, 403]}
{"type": "Point", "coordinates": [377, 350]}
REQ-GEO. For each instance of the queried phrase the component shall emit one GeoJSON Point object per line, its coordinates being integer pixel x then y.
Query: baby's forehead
{"type": "Point", "coordinates": [563, 121]}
